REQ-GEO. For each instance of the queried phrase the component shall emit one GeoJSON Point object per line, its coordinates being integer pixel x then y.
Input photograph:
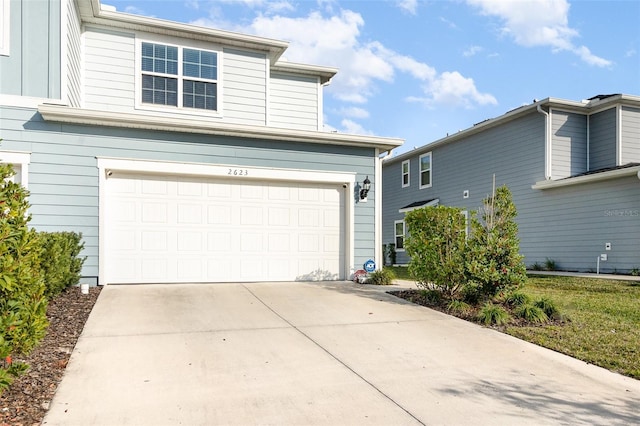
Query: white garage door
{"type": "Point", "coordinates": [163, 229]}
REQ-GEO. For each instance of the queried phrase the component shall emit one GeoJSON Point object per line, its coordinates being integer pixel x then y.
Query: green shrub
{"type": "Point", "coordinates": [550, 265]}
{"type": "Point", "coordinates": [493, 260]}
{"type": "Point", "coordinates": [459, 307]}
{"type": "Point", "coordinates": [384, 276]}
{"type": "Point", "coordinates": [436, 242]}
{"type": "Point", "coordinates": [63, 266]}
{"type": "Point", "coordinates": [531, 313]}
{"type": "Point", "coordinates": [491, 314]}
{"type": "Point", "coordinates": [548, 307]}
{"type": "Point", "coordinates": [536, 267]}
{"type": "Point", "coordinates": [517, 298]}
{"type": "Point", "coordinates": [23, 304]}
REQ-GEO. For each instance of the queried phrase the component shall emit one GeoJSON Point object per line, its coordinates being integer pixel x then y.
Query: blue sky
{"type": "Point", "coordinates": [421, 69]}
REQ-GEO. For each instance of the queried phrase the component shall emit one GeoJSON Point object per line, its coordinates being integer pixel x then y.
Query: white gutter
{"type": "Point", "coordinates": [596, 177]}
{"type": "Point", "coordinates": [547, 143]}
{"type": "Point", "coordinates": [64, 114]}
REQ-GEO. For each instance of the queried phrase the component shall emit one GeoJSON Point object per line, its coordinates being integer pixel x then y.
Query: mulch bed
{"type": "Point", "coordinates": [418, 297]}
{"type": "Point", "coordinates": [27, 400]}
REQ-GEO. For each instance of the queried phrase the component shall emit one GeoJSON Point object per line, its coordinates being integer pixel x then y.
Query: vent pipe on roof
{"type": "Point", "coordinates": [547, 143]}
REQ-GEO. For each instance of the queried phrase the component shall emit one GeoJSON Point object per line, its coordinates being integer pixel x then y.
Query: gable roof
{"type": "Point", "coordinates": [588, 106]}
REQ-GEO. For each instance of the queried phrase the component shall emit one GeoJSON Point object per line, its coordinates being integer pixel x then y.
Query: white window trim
{"type": "Point", "coordinates": [5, 21]}
{"type": "Point", "coordinates": [408, 163]}
{"type": "Point", "coordinates": [20, 162]}
{"type": "Point", "coordinates": [395, 235]}
{"type": "Point", "coordinates": [420, 171]}
{"type": "Point", "coordinates": [177, 109]}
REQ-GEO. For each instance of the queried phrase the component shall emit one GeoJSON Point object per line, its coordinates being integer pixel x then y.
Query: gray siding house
{"type": "Point", "coordinates": [181, 153]}
{"type": "Point", "coordinates": [573, 169]}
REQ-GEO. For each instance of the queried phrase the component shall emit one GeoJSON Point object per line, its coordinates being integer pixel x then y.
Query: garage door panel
{"type": "Point", "coordinates": [189, 229]}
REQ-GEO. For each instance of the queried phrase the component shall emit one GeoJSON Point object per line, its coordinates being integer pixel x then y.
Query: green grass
{"type": "Point", "coordinates": [402, 272]}
{"type": "Point", "coordinates": [603, 326]}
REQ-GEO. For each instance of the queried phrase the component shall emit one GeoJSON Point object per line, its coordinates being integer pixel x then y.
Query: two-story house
{"type": "Point", "coordinates": [181, 153]}
{"type": "Point", "coordinates": [573, 169]}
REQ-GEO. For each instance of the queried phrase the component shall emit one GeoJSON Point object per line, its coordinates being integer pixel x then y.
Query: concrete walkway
{"type": "Point", "coordinates": [312, 354]}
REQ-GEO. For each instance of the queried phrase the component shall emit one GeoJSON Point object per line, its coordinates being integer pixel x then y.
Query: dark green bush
{"type": "Point", "coordinates": [23, 305]}
{"type": "Point", "coordinates": [493, 261]}
{"type": "Point", "coordinates": [62, 265]}
{"type": "Point", "coordinates": [437, 246]}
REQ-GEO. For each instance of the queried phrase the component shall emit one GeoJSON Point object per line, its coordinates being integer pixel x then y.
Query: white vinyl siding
{"type": "Point", "coordinates": [244, 83]}
{"type": "Point", "coordinates": [425, 165]}
{"type": "Point", "coordinates": [399, 233]}
{"type": "Point", "coordinates": [74, 83]}
{"type": "Point", "coordinates": [293, 102]}
{"type": "Point", "coordinates": [406, 173]}
{"type": "Point", "coordinates": [5, 19]}
{"type": "Point", "coordinates": [109, 70]}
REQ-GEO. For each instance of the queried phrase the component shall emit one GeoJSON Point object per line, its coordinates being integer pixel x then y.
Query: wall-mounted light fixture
{"type": "Point", "coordinates": [366, 186]}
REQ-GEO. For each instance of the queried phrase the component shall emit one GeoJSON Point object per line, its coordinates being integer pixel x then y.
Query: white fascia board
{"type": "Point", "coordinates": [110, 165]}
{"type": "Point", "coordinates": [596, 177]}
{"type": "Point", "coordinates": [65, 114]}
{"type": "Point", "coordinates": [96, 15]}
{"type": "Point", "coordinates": [325, 73]}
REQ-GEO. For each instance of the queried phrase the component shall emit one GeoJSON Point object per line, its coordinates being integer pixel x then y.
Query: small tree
{"type": "Point", "coordinates": [494, 263]}
{"type": "Point", "coordinates": [436, 244]}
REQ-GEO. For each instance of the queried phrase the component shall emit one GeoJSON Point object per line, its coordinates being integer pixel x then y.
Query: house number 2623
{"type": "Point", "coordinates": [238, 172]}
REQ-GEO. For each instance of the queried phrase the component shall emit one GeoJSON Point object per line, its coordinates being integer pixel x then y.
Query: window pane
{"type": "Point", "coordinates": [159, 90]}
{"type": "Point", "coordinates": [191, 55]}
{"type": "Point", "coordinates": [208, 58]}
{"type": "Point", "coordinates": [399, 228]}
{"type": "Point", "coordinates": [399, 242]}
{"type": "Point", "coordinates": [191, 70]}
{"type": "Point", "coordinates": [425, 162]}
{"type": "Point", "coordinates": [425, 178]}
{"type": "Point", "coordinates": [147, 50]}
{"type": "Point", "coordinates": [405, 179]}
{"type": "Point", "coordinates": [199, 94]}
{"type": "Point", "coordinates": [172, 53]}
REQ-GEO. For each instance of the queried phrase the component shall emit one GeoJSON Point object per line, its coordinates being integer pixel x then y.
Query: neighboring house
{"type": "Point", "coordinates": [573, 169]}
{"type": "Point", "coordinates": [181, 153]}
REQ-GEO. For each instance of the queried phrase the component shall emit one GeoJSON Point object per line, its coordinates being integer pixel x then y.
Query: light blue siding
{"type": "Point", "coordinates": [33, 65]}
{"type": "Point", "coordinates": [569, 144]}
{"type": "Point", "coordinates": [63, 173]}
{"type": "Point", "coordinates": [602, 139]}
{"type": "Point", "coordinates": [630, 135]}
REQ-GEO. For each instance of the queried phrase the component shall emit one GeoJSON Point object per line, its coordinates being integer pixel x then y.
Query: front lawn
{"type": "Point", "coordinates": [603, 320]}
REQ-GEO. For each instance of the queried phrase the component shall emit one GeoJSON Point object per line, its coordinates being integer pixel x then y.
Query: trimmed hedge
{"type": "Point", "coordinates": [62, 267]}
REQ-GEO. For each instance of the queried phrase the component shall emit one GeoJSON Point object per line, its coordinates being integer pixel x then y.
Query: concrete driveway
{"type": "Point", "coordinates": [316, 353]}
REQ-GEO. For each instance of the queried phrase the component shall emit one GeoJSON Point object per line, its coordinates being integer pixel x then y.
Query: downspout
{"type": "Point", "coordinates": [547, 143]}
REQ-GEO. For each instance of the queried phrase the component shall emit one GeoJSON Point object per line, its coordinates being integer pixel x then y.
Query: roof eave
{"type": "Point", "coordinates": [96, 15]}
{"type": "Point", "coordinates": [65, 114]}
{"type": "Point", "coordinates": [596, 177]}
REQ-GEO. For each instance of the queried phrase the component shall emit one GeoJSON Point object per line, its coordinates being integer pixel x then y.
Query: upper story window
{"type": "Point", "coordinates": [405, 173]}
{"type": "Point", "coordinates": [179, 76]}
{"type": "Point", "coordinates": [425, 170]}
{"type": "Point", "coordinates": [5, 20]}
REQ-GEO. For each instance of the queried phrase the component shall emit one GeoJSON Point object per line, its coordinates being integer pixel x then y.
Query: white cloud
{"type": "Point", "coordinates": [353, 112]}
{"type": "Point", "coordinates": [454, 90]}
{"type": "Point", "coordinates": [630, 53]}
{"type": "Point", "coordinates": [472, 51]}
{"type": "Point", "coordinates": [539, 23]}
{"type": "Point", "coordinates": [410, 6]}
{"type": "Point", "coordinates": [354, 128]}
{"type": "Point", "coordinates": [364, 65]}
